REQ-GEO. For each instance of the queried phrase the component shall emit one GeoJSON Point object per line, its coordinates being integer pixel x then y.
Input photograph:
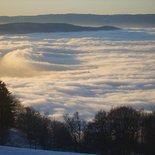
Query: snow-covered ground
{"type": "Point", "coordinates": [4, 150]}
{"type": "Point", "coordinates": [58, 73]}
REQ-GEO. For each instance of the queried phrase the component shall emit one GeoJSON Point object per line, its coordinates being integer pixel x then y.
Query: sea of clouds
{"type": "Point", "coordinates": [59, 73]}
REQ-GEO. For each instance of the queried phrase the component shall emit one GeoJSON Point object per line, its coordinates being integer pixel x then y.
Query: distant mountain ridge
{"type": "Point", "coordinates": [126, 20]}
{"type": "Point", "coordinates": [23, 28]}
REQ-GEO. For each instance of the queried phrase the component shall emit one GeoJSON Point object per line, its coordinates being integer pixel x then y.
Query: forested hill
{"type": "Point", "coordinates": [21, 28]}
{"type": "Point", "coordinates": [123, 20]}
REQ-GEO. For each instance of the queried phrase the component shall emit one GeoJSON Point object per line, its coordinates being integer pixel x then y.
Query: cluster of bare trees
{"type": "Point", "coordinates": [121, 131]}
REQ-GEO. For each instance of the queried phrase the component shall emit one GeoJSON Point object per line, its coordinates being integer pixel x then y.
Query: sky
{"type": "Point", "coordinates": [34, 7]}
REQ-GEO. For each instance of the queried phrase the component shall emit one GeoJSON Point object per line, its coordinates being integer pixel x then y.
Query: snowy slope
{"type": "Point", "coordinates": [4, 150]}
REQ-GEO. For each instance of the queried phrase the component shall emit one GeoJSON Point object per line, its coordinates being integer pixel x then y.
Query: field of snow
{"type": "Point", "coordinates": [4, 150]}
{"type": "Point", "coordinates": [57, 73]}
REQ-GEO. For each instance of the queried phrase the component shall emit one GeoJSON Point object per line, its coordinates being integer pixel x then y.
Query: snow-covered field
{"type": "Point", "coordinates": [4, 150]}
{"type": "Point", "coordinates": [58, 73]}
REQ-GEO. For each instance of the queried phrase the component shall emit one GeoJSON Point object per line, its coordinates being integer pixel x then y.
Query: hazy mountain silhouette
{"type": "Point", "coordinates": [20, 28]}
{"type": "Point", "coordinates": [139, 20]}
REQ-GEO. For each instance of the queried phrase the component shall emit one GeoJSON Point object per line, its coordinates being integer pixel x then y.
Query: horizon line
{"type": "Point", "coordinates": [77, 14]}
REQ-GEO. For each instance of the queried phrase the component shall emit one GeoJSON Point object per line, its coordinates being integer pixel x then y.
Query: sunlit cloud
{"type": "Point", "coordinates": [57, 73]}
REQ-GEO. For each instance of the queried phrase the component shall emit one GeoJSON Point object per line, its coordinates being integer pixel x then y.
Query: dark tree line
{"type": "Point", "coordinates": [9, 107]}
{"type": "Point", "coordinates": [121, 131]}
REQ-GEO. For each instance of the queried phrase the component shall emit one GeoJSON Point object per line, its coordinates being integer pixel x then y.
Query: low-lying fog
{"type": "Point", "coordinates": [57, 73]}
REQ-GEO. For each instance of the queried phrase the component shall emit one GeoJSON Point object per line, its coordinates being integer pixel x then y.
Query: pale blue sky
{"type": "Point", "coordinates": [34, 7]}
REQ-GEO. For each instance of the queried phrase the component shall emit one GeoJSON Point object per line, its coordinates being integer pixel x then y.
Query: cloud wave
{"type": "Point", "coordinates": [67, 72]}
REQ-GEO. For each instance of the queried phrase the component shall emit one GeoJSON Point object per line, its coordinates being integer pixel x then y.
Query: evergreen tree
{"type": "Point", "coordinates": [8, 105]}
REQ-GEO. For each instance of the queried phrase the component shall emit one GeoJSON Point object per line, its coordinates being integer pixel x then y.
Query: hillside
{"type": "Point", "coordinates": [4, 150]}
{"type": "Point", "coordinates": [21, 28]}
{"type": "Point", "coordinates": [126, 20]}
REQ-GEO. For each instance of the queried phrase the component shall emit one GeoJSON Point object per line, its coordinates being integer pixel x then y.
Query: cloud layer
{"type": "Point", "coordinates": [67, 72]}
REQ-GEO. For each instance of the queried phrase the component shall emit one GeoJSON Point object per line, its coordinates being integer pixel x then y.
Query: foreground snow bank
{"type": "Point", "coordinates": [4, 150]}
